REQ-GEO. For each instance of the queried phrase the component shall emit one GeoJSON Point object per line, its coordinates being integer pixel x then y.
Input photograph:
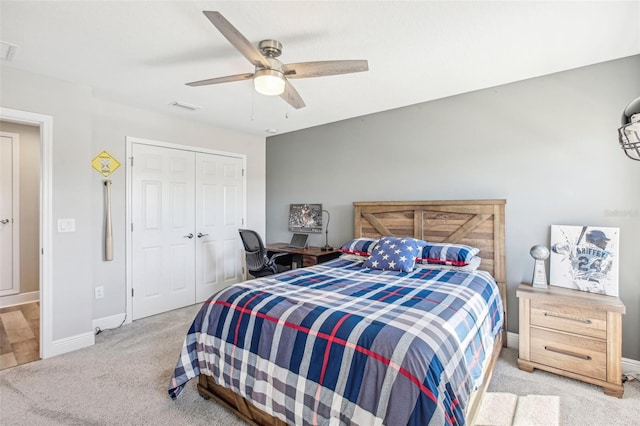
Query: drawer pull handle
{"type": "Point", "coordinates": [583, 321]}
{"type": "Point", "coordinates": [569, 353]}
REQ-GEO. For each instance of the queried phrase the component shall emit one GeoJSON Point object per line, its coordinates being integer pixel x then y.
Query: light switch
{"type": "Point", "coordinates": [66, 225]}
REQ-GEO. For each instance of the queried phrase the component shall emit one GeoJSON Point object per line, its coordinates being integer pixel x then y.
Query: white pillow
{"type": "Point", "coordinates": [353, 257]}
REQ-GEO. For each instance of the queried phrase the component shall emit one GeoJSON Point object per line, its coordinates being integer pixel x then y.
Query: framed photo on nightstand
{"type": "Point", "coordinates": [585, 258]}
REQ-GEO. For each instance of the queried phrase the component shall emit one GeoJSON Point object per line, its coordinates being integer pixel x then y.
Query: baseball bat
{"type": "Point", "coordinates": [108, 232]}
{"type": "Point", "coordinates": [584, 229]}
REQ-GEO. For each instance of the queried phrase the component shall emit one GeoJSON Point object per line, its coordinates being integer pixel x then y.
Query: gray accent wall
{"type": "Point", "coordinates": [547, 145]}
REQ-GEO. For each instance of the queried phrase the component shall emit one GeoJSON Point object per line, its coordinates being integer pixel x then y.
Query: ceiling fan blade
{"type": "Point", "coordinates": [291, 96]}
{"type": "Point", "coordinates": [236, 38]}
{"type": "Point", "coordinates": [324, 68]}
{"type": "Point", "coordinates": [236, 77]}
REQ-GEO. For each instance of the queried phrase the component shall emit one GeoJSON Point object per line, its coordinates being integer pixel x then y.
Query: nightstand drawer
{"type": "Point", "coordinates": [584, 321]}
{"type": "Point", "coordinates": [581, 355]}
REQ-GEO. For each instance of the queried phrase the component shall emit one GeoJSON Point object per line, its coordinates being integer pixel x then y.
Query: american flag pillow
{"type": "Point", "coordinates": [395, 254]}
{"type": "Point", "coordinates": [447, 254]}
{"type": "Point", "coordinates": [473, 265]}
{"type": "Point", "coordinates": [359, 246]}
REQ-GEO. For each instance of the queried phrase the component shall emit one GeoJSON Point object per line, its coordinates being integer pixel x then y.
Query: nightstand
{"type": "Point", "coordinates": [572, 333]}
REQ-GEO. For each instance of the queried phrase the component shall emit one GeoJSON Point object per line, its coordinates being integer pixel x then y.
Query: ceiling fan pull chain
{"type": "Point", "coordinates": [253, 101]}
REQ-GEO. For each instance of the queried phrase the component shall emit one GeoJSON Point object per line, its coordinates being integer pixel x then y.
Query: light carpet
{"type": "Point", "coordinates": [508, 409]}
{"type": "Point", "coordinates": [123, 379]}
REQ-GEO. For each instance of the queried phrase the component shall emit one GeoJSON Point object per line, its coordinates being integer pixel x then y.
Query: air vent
{"type": "Point", "coordinates": [7, 50]}
{"type": "Point", "coordinates": [184, 105]}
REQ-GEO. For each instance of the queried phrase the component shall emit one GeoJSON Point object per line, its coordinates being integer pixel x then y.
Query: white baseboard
{"type": "Point", "coordinates": [19, 299]}
{"type": "Point", "coordinates": [513, 340]}
{"type": "Point", "coordinates": [631, 366]}
{"type": "Point", "coordinates": [70, 344]}
{"type": "Point", "coordinates": [79, 341]}
{"type": "Point", "coordinates": [109, 322]}
{"type": "Point", "coordinates": [628, 365]}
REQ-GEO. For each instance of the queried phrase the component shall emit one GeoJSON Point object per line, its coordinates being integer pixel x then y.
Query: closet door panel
{"type": "Point", "coordinates": [163, 243]}
{"type": "Point", "coordinates": [219, 183]}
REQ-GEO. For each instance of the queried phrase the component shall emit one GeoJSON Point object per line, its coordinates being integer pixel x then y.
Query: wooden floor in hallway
{"type": "Point", "coordinates": [19, 334]}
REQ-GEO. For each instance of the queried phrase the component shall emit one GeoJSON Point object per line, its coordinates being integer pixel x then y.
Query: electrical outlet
{"type": "Point", "coordinates": [99, 292]}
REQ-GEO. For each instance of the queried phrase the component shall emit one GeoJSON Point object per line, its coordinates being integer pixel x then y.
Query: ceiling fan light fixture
{"type": "Point", "coordinates": [271, 77]}
{"type": "Point", "coordinates": [269, 82]}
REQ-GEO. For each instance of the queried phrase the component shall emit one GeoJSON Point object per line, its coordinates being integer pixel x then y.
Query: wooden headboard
{"type": "Point", "coordinates": [477, 223]}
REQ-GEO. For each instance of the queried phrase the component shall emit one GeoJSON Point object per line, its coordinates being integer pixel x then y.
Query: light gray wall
{"type": "Point", "coordinates": [71, 273]}
{"type": "Point", "coordinates": [29, 178]}
{"type": "Point", "coordinates": [112, 123]}
{"type": "Point", "coordinates": [547, 145]}
{"type": "Point", "coordinates": [83, 126]}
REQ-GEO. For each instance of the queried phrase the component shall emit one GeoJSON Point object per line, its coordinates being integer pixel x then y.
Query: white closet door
{"type": "Point", "coordinates": [163, 240]}
{"type": "Point", "coordinates": [219, 206]}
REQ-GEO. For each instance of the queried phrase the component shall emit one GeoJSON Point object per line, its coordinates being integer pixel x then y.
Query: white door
{"type": "Point", "coordinates": [9, 225]}
{"type": "Point", "coordinates": [219, 198]}
{"type": "Point", "coordinates": [163, 240]}
{"type": "Point", "coordinates": [186, 210]}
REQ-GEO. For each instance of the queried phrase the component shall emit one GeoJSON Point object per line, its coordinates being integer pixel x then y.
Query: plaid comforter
{"type": "Point", "coordinates": [339, 344]}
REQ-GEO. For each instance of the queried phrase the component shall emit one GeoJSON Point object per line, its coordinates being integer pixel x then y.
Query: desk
{"type": "Point", "coordinates": [304, 256]}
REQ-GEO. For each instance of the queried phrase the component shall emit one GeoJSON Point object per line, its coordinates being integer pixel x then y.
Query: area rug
{"type": "Point", "coordinates": [507, 409]}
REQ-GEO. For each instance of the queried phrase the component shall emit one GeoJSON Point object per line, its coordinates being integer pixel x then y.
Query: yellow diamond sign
{"type": "Point", "coordinates": [104, 163]}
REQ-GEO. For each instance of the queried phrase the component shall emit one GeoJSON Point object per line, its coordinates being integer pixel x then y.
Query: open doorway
{"type": "Point", "coordinates": [35, 248]}
{"type": "Point", "coordinates": [20, 178]}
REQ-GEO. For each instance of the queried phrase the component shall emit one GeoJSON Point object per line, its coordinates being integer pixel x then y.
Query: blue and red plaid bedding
{"type": "Point", "coordinates": [339, 344]}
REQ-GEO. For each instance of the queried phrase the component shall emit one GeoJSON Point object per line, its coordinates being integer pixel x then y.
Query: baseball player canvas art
{"type": "Point", "coordinates": [585, 258]}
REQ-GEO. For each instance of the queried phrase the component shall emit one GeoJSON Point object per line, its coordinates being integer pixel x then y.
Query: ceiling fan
{"type": "Point", "coordinates": [271, 77]}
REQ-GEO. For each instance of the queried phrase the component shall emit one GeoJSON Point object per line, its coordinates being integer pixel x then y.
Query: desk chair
{"type": "Point", "coordinates": [259, 264]}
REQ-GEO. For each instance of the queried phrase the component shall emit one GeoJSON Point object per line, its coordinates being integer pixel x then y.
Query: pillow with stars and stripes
{"type": "Point", "coordinates": [395, 254]}
{"type": "Point", "coordinates": [447, 254]}
{"type": "Point", "coordinates": [359, 246]}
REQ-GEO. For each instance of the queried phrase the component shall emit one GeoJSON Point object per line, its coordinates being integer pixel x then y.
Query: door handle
{"type": "Point", "coordinates": [200, 235]}
{"type": "Point", "coordinates": [190, 236]}
{"type": "Point", "coordinates": [4, 221]}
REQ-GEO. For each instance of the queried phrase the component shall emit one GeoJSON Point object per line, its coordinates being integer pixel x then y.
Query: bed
{"type": "Point", "coordinates": [341, 343]}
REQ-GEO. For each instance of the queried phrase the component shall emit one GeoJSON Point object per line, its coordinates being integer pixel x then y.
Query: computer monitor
{"type": "Point", "coordinates": [305, 218]}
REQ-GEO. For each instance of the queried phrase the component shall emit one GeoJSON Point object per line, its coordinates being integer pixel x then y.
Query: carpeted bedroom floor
{"type": "Point", "coordinates": [581, 404]}
{"type": "Point", "coordinates": [506, 409]}
{"type": "Point", "coordinates": [123, 380]}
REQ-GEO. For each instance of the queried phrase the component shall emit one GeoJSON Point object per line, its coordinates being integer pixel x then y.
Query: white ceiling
{"type": "Point", "coordinates": [142, 53]}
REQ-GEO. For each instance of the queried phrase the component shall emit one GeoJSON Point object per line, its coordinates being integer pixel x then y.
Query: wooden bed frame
{"type": "Point", "coordinates": [478, 223]}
